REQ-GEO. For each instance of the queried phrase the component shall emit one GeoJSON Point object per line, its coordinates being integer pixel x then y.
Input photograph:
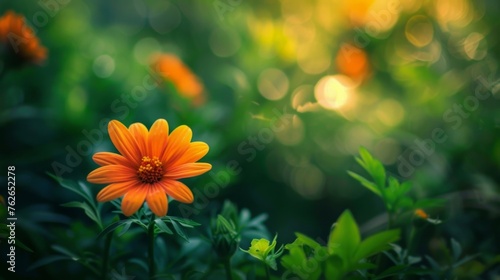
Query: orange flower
{"type": "Point", "coordinates": [173, 69]}
{"type": "Point", "coordinates": [20, 39]}
{"type": "Point", "coordinates": [421, 214]}
{"type": "Point", "coordinates": [149, 167]}
{"type": "Point", "coordinates": [352, 61]}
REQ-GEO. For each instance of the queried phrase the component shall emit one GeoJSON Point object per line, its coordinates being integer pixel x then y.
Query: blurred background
{"type": "Point", "coordinates": [285, 92]}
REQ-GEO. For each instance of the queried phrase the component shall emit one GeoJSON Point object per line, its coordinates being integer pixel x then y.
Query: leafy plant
{"type": "Point", "coordinates": [344, 254]}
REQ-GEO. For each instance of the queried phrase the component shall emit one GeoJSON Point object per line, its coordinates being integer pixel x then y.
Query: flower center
{"type": "Point", "coordinates": [150, 171]}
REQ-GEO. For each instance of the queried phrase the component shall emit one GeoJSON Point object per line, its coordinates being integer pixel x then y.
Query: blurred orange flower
{"type": "Point", "coordinates": [421, 214]}
{"type": "Point", "coordinates": [173, 69]}
{"type": "Point", "coordinates": [352, 61]}
{"type": "Point", "coordinates": [20, 39]}
{"type": "Point", "coordinates": [149, 166]}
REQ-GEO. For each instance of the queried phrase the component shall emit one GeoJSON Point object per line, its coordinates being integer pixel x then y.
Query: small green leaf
{"type": "Point", "coordinates": [369, 185]}
{"type": "Point", "coordinates": [112, 227]}
{"type": "Point", "coordinates": [163, 227]}
{"type": "Point", "coordinates": [344, 238]}
{"type": "Point", "coordinates": [179, 231]}
{"type": "Point", "coordinates": [307, 240]}
{"type": "Point", "coordinates": [23, 246]}
{"type": "Point", "coordinates": [64, 251]}
{"type": "Point", "coordinates": [125, 228]}
{"type": "Point", "coordinates": [183, 222]}
{"type": "Point", "coordinates": [456, 249]}
{"type": "Point", "coordinates": [376, 243]}
{"type": "Point", "coordinates": [257, 220]}
{"type": "Point", "coordinates": [89, 211]}
{"type": "Point", "coordinates": [373, 167]}
{"type": "Point", "coordinates": [464, 260]}
{"type": "Point", "coordinates": [72, 186]}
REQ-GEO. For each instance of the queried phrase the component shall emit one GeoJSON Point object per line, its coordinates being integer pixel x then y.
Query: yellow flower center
{"type": "Point", "coordinates": [150, 171]}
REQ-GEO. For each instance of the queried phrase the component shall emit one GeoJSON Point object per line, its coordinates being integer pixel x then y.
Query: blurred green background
{"type": "Point", "coordinates": [292, 89]}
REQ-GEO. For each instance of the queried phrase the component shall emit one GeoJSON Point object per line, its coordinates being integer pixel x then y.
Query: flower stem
{"type": "Point", "coordinates": [227, 266]}
{"type": "Point", "coordinates": [151, 248]}
{"type": "Point", "coordinates": [268, 275]}
{"type": "Point", "coordinates": [105, 260]}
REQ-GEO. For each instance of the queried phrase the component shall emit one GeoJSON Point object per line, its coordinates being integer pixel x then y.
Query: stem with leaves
{"type": "Point", "coordinates": [151, 247]}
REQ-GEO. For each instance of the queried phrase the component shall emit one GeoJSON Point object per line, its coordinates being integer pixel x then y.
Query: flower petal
{"type": "Point", "coordinates": [114, 191]}
{"type": "Point", "coordinates": [134, 199]}
{"type": "Point", "coordinates": [157, 138]}
{"type": "Point", "coordinates": [178, 143]}
{"type": "Point", "coordinates": [177, 190]}
{"type": "Point", "coordinates": [187, 170]}
{"type": "Point", "coordinates": [124, 141]}
{"type": "Point", "coordinates": [112, 174]}
{"type": "Point", "coordinates": [140, 133]}
{"type": "Point", "coordinates": [105, 158]}
{"type": "Point", "coordinates": [157, 200]}
{"type": "Point", "coordinates": [195, 152]}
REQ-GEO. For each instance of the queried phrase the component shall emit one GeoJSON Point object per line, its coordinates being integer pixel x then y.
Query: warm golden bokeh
{"type": "Point", "coordinates": [185, 81]}
{"type": "Point", "coordinates": [21, 39]}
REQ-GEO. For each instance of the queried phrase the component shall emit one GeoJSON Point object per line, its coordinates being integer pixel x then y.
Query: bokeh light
{"type": "Point", "coordinates": [333, 92]}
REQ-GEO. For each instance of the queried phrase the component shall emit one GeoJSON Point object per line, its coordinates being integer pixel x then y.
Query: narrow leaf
{"type": "Point", "coordinates": [112, 227]}
{"type": "Point", "coordinates": [369, 185]}
{"type": "Point", "coordinates": [456, 249]}
{"type": "Point", "coordinates": [163, 227]}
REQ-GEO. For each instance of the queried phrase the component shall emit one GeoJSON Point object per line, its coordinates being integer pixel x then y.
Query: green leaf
{"type": "Point", "coordinates": [112, 227]}
{"type": "Point", "coordinates": [23, 246]}
{"type": "Point", "coordinates": [183, 222]}
{"type": "Point", "coordinates": [334, 268]}
{"type": "Point", "coordinates": [125, 228]}
{"type": "Point", "coordinates": [257, 221]}
{"type": "Point", "coordinates": [89, 211]}
{"type": "Point", "coordinates": [373, 167]}
{"type": "Point", "coordinates": [87, 192]}
{"type": "Point", "coordinates": [163, 227]}
{"type": "Point", "coordinates": [307, 240]}
{"type": "Point", "coordinates": [464, 260]}
{"type": "Point", "coordinates": [376, 243]}
{"type": "Point", "coordinates": [344, 238]}
{"type": "Point", "coordinates": [369, 185]}
{"type": "Point", "coordinates": [456, 249]}
{"type": "Point", "coordinates": [72, 186]}
{"type": "Point", "coordinates": [404, 202]}
{"type": "Point", "coordinates": [179, 231]}
{"type": "Point", "coordinates": [65, 251]}
{"type": "Point", "coordinates": [294, 258]}
{"type": "Point", "coordinates": [298, 264]}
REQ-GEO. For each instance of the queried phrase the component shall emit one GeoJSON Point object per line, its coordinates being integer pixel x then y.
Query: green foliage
{"type": "Point", "coordinates": [393, 193]}
{"type": "Point", "coordinates": [89, 205]}
{"type": "Point", "coordinates": [344, 253]}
